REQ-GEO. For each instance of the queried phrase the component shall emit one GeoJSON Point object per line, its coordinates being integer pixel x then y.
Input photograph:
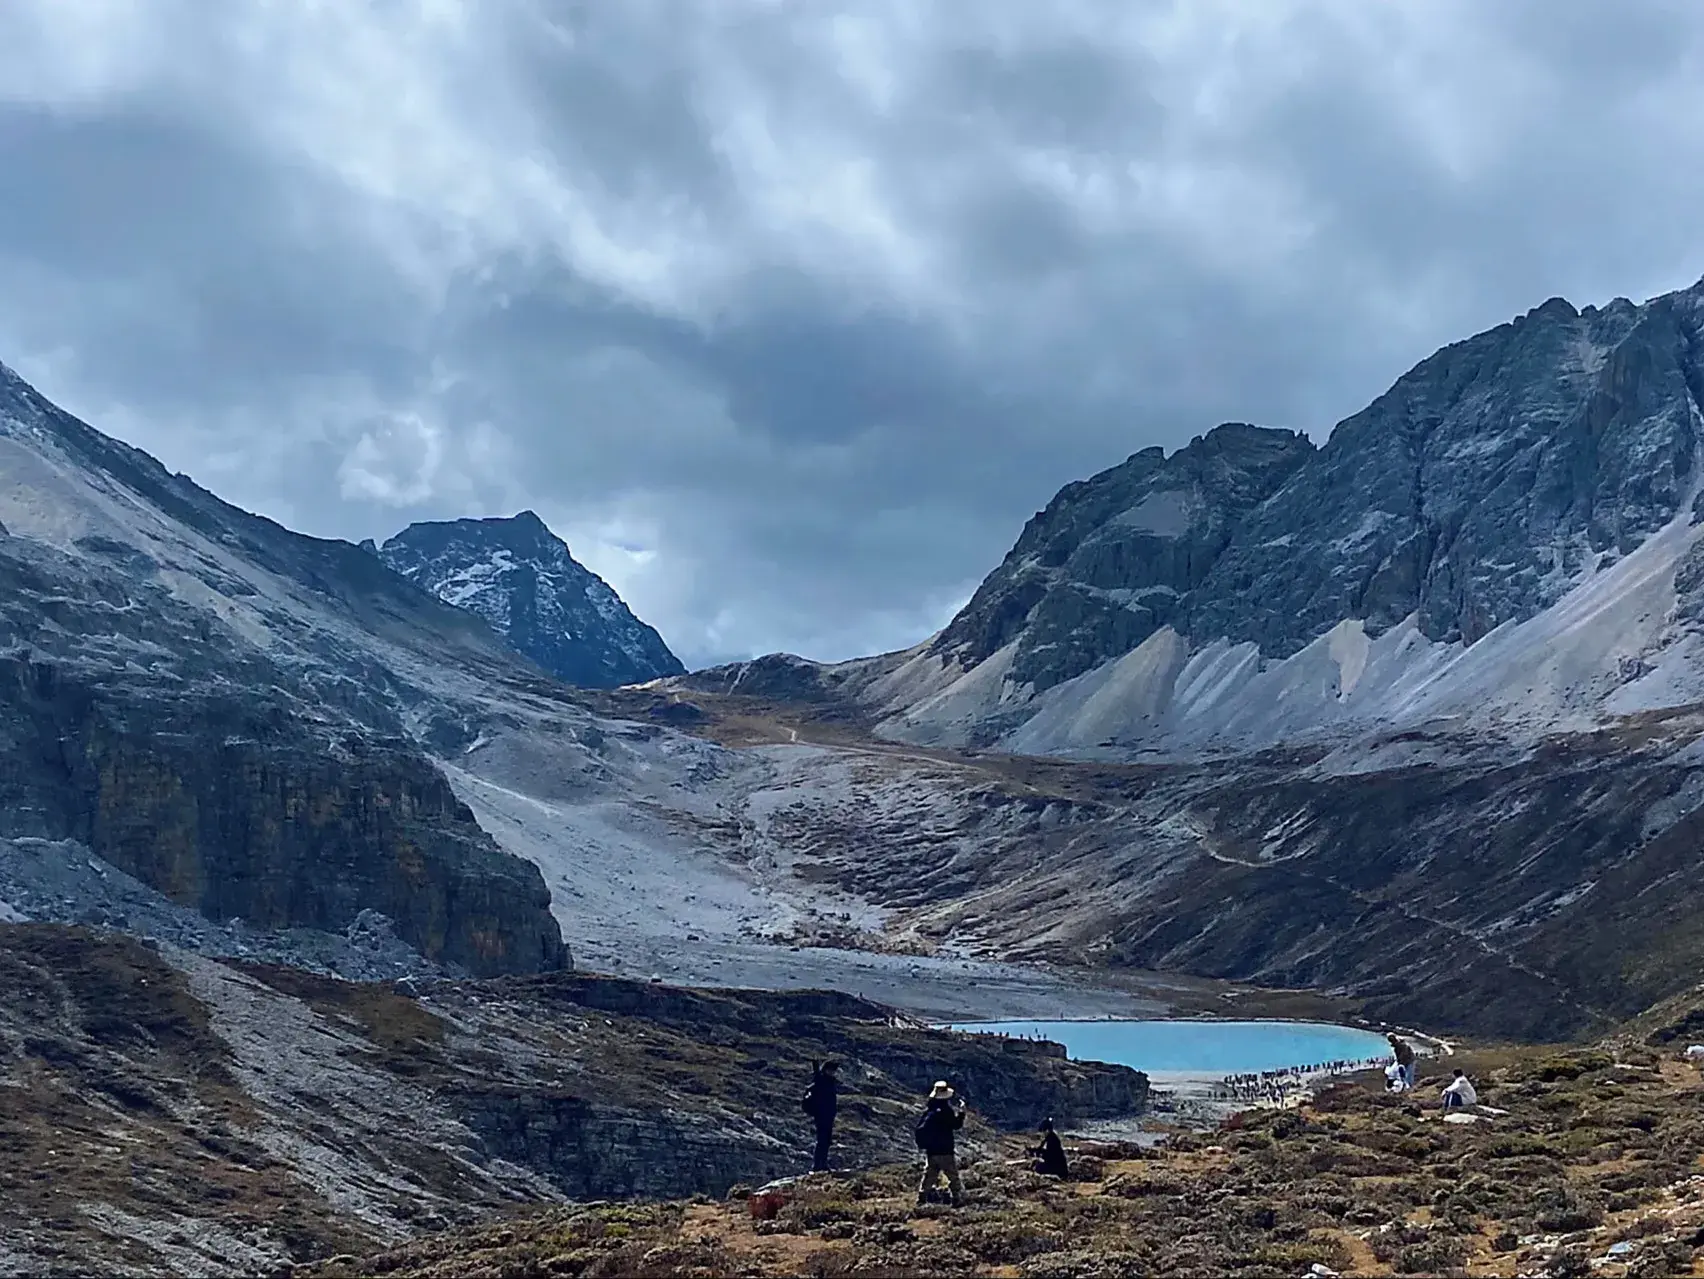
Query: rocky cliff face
{"type": "Point", "coordinates": [1114, 558]}
{"type": "Point", "coordinates": [1483, 485]}
{"type": "Point", "coordinates": [214, 705]}
{"type": "Point", "coordinates": [1475, 491]}
{"type": "Point", "coordinates": [518, 575]}
{"type": "Point", "coordinates": [1182, 599]}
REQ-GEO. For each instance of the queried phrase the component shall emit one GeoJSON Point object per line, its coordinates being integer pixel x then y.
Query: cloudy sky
{"type": "Point", "coordinates": [788, 313]}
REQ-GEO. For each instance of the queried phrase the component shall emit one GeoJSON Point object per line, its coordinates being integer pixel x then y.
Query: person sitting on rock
{"type": "Point", "coordinates": [937, 1130]}
{"type": "Point", "coordinates": [1460, 1092]}
{"type": "Point", "coordinates": [1051, 1160]}
{"type": "Point", "coordinates": [821, 1102]}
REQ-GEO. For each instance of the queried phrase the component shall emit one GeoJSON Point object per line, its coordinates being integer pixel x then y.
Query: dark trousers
{"type": "Point", "coordinates": [824, 1134]}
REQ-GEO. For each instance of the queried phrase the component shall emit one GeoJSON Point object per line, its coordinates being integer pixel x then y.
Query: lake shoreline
{"type": "Point", "coordinates": [1200, 1080]}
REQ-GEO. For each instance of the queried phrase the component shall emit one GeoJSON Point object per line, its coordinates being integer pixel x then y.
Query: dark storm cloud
{"type": "Point", "coordinates": [789, 315]}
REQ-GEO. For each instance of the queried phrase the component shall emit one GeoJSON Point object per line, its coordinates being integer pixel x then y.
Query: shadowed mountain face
{"type": "Point", "coordinates": [518, 575]}
{"type": "Point", "coordinates": [225, 709]}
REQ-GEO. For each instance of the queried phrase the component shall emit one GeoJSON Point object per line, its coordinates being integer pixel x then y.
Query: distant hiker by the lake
{"type": "Point", "coordinates": [1050, 1153]}
{"type": "Point", "coordinates": [937, 1133]}
{"type": "Point", "coordinates": [821, 1102]}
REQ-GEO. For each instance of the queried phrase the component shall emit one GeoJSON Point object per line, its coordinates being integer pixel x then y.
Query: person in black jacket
{"type": "Point", "coordinates": [822, 1101]}
{"type": "Point", "coordinates": [937, 1131]}
{"type": "Point", "coordinates": [1051, 1160]}
{"type": "Point", "coordinates": [1403, 1051]}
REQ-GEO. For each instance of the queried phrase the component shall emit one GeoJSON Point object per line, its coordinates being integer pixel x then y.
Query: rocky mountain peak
{"type": "Point", "coordinates": [1113, 558]}
{"type": "Point", "coordinates": [520, 577]}
{"type": "Point", "coordinates": [1494, 479]}
{"type": "Point", "coordinates": [1475, 491]}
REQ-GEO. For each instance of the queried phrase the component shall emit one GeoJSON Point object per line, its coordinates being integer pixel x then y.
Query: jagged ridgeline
{"type": "Point", "coordinates": [230, 711]}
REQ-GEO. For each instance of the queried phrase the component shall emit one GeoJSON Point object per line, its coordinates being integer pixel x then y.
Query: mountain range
{"type": "Point", "coordinates": [1507, 538]}
{"type": "Point", "coordinates": [1407, 725]}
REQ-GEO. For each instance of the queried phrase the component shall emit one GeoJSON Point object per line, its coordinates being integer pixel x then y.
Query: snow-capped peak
{"type": "Point", "coordinates": [520, 577]}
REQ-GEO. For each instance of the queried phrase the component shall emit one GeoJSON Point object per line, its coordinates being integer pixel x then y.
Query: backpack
{"type": "Point", "coordinates": [808, 1103]}
{"type": "Point", "coordinates": [928, 1124]}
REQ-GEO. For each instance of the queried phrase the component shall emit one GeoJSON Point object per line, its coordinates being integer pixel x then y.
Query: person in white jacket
{"type": "Point", "coordinates": [1460, 1092]}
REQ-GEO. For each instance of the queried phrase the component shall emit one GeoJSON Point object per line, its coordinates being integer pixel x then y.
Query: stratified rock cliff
{"type": "Point", "coordinates": [222, 708]}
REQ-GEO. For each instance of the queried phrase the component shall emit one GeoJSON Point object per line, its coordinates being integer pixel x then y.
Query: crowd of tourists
{"type": "Point", "coordinates": [1278, 1086]}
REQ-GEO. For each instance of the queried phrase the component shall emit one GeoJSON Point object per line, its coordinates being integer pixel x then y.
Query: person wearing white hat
{"type": "Point", "coordinates": [937, 1128]}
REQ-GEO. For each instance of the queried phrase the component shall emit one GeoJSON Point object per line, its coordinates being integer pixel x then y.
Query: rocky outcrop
{"type": "Point", "coordinates": [518, 575]}
{"type": "Point", "coordinates": [589, 1150]}
{"type": "Point", "coordinates": [778, 677]}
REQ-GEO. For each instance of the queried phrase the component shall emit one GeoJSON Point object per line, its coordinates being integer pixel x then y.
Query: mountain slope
{"type": "Point", "coordinates": [166, 1114]}
{"type": "Point", "coordinates": [1250, 590]}
{"type": "Point", "coordinates": [518, 575]}
{"type": "Point", "coordinates": [226, 710]}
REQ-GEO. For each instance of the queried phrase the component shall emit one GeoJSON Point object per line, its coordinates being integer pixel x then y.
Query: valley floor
{"type": "Point", "coordinates": [712, 867]}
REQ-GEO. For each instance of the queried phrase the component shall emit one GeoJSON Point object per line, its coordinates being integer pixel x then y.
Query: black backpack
{"type": "Point", "coordinates": [808, 1103]}
{"type": "Point", "coordinates": [927, 1124]}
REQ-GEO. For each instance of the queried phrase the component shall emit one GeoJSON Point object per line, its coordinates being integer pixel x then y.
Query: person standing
{"type": "Point", "coordinates": [822, 1103]}
{"type": "Point", "coordinates": [937, 1133]}
{"type": "Point", "coordinates": [1404, 1052]}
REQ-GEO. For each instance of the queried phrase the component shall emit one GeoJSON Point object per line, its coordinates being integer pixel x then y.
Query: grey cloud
{"type": "Point", "coordinates": [235, 276]}
{"type": "Point", "coordinates": [790, 315]}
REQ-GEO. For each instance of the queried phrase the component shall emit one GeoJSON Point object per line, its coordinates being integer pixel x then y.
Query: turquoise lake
{"type": "Point", "coordinates": [1198, 1047]}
